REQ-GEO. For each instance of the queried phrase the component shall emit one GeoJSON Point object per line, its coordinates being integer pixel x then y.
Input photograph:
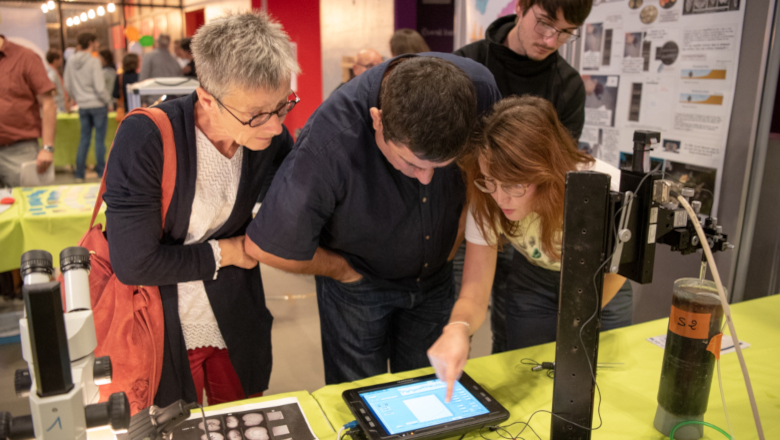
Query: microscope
{"type": "Point", "coordinates": [63, 374]}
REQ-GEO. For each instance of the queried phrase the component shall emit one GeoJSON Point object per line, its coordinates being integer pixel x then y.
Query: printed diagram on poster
{"type": "Point", "coordinates": [667, 66]}
{"type": "Point", "coordinates": [281, 419]}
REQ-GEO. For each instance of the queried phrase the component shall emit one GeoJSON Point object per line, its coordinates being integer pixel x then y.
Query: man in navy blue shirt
{"type": "Point", "coordinates": [369, 201]}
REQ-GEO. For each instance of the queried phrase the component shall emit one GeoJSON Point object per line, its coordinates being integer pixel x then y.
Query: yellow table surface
{"type": "Point", "coordinates": [50, 218]}
{"type": "Point", "coordinates": [629, 393]}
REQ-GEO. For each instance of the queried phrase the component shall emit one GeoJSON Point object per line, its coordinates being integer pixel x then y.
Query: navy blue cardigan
{"type": "Point", "coordinates": [140, 257]}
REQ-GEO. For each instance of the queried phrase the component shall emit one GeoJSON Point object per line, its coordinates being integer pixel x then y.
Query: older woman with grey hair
{"type": "Point", "coordinates": [229, 143]}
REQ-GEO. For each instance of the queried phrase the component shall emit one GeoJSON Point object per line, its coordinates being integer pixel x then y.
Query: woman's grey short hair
{"type": "Point", "coordinates": [246, 51]}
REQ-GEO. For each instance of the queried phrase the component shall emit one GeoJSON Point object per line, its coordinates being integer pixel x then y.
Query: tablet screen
{"type": "Point", "coordinates": [419, 405]}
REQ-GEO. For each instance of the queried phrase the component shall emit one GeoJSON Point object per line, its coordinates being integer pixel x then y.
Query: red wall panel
{"type": "Point", "coordinates": [301, 21]}
{"type": "Point", "coordinates": [193, 20]}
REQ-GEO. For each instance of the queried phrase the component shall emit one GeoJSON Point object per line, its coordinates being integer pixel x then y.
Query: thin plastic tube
{"type": "Point", "coordinates": [696, 422]}
{"type": "Point", "coordinates": [723, 396]}
{"type": "Point", "coordinates": [723, 399]}
{"type": "Point", "coordinates": [726, 311]}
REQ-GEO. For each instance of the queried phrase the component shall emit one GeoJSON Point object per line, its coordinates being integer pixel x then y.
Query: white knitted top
{"type": "Point", "coordinates": [216, 188]}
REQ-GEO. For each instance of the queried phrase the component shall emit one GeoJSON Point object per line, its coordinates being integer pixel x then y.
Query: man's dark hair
{"type": "Point", "coordinates": [53, 55]}
{"type": "Point", "coordinates": [574, 11]}
{"type": "Point", "coordinates": [428, 105]}
{"type": "Point", "coordinates": [85, 38]}
{"type": "Point", "coordinates": [186, 45]}
{"type": "Point", "coordinates": [108, 57]}
{"type": "Point", "coordinates": [130, 63]}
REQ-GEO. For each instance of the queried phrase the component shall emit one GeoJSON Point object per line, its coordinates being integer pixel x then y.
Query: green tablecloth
{"type": "Point", "coordinates": [49, 218]}
{"type": "Point", "coordinates": [66, 143]}
{"type": "Point", "coordinates": [11, 243]}
{"type": "Point", "coordinates": [629, 393]}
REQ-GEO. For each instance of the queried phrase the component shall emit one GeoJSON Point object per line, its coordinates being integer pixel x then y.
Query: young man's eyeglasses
{"type": "Point", "coordinates": [547, 30]}
{"type": "Point", "coordinates": [489, 186]}
{"type": "Point", "coordinates": [261, 118]}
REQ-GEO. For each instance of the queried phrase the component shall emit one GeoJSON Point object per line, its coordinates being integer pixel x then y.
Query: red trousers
{"type": "Point", "coordinates": [211, 368]}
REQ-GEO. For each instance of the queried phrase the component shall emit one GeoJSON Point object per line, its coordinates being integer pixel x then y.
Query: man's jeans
{"type": "Point", "coordinates": [366, 323]}
{"type": "Point", "coordinates": [97, 118]}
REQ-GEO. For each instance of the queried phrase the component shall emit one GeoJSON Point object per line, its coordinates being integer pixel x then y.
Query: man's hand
{"type": "Point", "coordinates": [232, 250]}
{"type": "Point", "coordinates": [348, 275]}
{"type": "Point", "coordinates": [448, 355]}
{"type": "Point", "coordinates": [44, 160]}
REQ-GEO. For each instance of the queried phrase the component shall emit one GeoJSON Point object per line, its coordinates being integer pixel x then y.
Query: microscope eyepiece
{"type": "Point", "coordinates": [74, 257]}
{"type": "Point", "coordinates": [36, 261]}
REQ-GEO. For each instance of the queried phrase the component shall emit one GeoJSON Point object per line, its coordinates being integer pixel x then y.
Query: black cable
{"type": "Point", "coordinates": [205, 425]}
{"type": "Point", "coordinates": [350, 431]}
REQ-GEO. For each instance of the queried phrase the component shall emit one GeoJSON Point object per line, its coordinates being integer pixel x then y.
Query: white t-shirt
{"type": "Point", "coordinates": [528, 241]}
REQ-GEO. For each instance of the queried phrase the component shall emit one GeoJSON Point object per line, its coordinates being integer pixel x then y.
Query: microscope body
{"type": "Point", "coordinates": [58, 345]}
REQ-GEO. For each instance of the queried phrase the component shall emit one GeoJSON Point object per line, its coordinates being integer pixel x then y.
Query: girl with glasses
{"type": "Point", "coordinates": [516, 167]}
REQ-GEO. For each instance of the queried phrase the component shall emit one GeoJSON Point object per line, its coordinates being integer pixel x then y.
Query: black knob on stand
{"type": "Point", "coordinates": [101, 371]}
{"type": "Point", "coordinates": [22, 383]}
{"type": "Point", "coordinates": [114, 413]}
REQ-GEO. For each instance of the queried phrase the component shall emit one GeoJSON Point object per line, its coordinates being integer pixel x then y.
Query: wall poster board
{"type": "Point", "coordinates": [668, 66]}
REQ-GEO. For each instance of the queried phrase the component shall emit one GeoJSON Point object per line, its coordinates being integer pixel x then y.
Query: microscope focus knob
{"type": "Point", "coordinates": [5, 425]}
{"type": "Point", "coordinates": [114, 413]}
{"type": "Point", "coordinates": [22, 383]}
{"type": "Point", "coordinates": [119, 411]}
{"type": "Point", "coordinates": [101, 371]}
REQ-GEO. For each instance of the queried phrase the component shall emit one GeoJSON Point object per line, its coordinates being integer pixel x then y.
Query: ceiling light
{"type": "Point", "coordinates": [83, 17]}
{"type": "Point", "coordinates": [44, 8]}
{"type": "Point", "coordinates": [91, 13]}
{"type": "Point", "coordinates": [69, 21]}
{"type": "Point", "coordinates": [111, 7]}
{"type": "Point", "coordinates": [50, 4]}
{"type": "Point", "coordinates": [76, 21]}
{"type": "Point", "coordinates": [101, 11]}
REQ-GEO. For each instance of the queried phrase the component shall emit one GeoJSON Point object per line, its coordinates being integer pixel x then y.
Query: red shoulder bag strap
{"type": "Point", "coordinates": [169, 161]}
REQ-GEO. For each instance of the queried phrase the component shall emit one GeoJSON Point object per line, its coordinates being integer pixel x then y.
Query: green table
{"type": "Point", "coordinates": [47, 217]}
{"type": "Point", "coordinates": [66, 143]}
{"type": "Point", "coordinates": [629, 393]}
{"type": "Point", "coordinates": [11, 243]}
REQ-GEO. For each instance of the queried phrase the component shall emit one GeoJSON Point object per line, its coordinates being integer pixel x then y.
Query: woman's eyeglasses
{"type": "Point", "coordinates": [261, 118]}
{"type": "Point", "coordinates": [489, 186]}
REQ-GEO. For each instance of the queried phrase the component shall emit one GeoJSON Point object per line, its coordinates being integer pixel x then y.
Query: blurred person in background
{"type": "Point", "coordinates": [364, 60]}
{"type": "Point", "coordinates": [189, 69]}
{"type": "Point", "coordinates": [53, 68]}
{"type": "Point", "coordinates": [160, 63]}
{"type": "Point", "coordinates": [86, 85]}
{"type": "Point", "coordinates": [129, 76]}
{"type": "Point", "coordinates": [27, 112]}
{"type": "Point", "coordinates": [179, 54]}
{"type": "Point", "coordinates": [407, 41]}
{"type": "Point", "coordinates": [109, 72]}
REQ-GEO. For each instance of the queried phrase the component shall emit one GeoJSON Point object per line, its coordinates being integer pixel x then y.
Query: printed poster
{"type": "Point", "coordinates": [668, 66]}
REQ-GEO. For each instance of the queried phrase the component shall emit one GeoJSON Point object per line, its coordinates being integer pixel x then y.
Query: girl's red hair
{"type": "Point", "coordinates": [522, 141]}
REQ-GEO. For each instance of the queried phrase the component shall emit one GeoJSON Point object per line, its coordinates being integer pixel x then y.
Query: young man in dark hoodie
{"type": "Point", "coordinates": [521, 51]}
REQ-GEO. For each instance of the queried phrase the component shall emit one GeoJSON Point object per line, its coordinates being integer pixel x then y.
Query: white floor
{"type": "Point", "coordinates": [296, 341]}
